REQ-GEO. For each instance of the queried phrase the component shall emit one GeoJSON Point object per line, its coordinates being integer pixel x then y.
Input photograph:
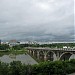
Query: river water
{"type": "Point", "coordinates": [25, 59]}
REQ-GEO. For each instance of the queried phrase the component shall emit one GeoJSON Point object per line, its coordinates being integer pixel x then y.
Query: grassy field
{"type": "Point", "coordinates": [16, 52]}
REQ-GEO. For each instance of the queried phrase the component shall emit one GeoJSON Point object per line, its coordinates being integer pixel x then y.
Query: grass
{"type": "Point", "coordinates": [16, 52]}
{"type": "Point", "coordinates": [4, 53]}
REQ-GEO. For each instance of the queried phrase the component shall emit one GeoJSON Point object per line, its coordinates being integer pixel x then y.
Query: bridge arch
{"type": "Point", "coordinates": [51, 56]}
{"type": "Point", "coordinates": [65, 56]}
{"type": "Point", "coordinates": [41, 55]}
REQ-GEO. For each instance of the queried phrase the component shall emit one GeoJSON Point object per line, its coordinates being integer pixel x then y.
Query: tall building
{"type": "Point", "coordinates": [13, 43]}
{"type": "Point", "coordinates": [0, 41]}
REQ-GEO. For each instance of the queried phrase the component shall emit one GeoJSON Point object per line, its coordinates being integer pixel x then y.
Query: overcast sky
{"type": "Point", "coordinates": [37, 20]}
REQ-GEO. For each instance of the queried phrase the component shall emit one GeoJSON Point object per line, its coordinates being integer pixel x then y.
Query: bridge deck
{"type": "Point", "coordinates": [55, 49]}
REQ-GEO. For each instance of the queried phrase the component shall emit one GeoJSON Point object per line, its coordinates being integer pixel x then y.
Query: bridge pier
{"type": "Point", "coordinates": [58, 56]}
{"type": "Point", "coordinates": [45, 57]}
{"type": "Point", "coordinates": [38, 55]}
{"type": "Point", "coordinates": [33, 53]}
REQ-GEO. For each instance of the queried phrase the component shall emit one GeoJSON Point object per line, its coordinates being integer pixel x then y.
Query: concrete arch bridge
{"type": "Point", "coordinates": [52, 54]}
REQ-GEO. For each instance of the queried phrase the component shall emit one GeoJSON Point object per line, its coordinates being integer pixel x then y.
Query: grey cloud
{"type": "Point", "coordinates": [38, 19]}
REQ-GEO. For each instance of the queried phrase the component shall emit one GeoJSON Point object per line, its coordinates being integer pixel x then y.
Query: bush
{"type": "Point", "coordinates": [43, 68]}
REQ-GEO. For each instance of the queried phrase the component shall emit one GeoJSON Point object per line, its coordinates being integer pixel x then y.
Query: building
{"type": "Point", "coordinates": [0, 41]}
{"type": "Point", "coordinates": [13, 43]}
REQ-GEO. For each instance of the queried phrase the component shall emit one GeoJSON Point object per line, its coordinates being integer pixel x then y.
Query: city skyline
{"type": "Point", "coordinates": [48, 20]}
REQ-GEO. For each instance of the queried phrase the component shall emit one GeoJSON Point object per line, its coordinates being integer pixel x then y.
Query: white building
{"type": "Point", "coordinates": [13, 43]}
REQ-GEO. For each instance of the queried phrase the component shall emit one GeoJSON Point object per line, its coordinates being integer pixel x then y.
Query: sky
{"type": "Point", "coordinates": [41, 20]}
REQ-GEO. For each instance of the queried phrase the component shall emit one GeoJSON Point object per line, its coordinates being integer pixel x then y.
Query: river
{"type": "Point", "coordinates": [25, 59]}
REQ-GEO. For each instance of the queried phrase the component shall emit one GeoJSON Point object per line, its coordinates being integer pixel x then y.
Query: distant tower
{"type": "Point", "coordinates": [0, 41]}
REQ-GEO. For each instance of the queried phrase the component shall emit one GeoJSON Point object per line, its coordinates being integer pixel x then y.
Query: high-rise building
{"type": "Point", "coordinates": [13, 43]}
{"type": "Point", "coordinates": [0, 41]}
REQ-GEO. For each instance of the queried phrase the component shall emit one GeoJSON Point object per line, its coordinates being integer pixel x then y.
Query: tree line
{"type": "Point", "coordinates": [54, 45]}
{"type": "Point", "coordinates": [4, 47]}
{"type": "Point", "coordinates": [58, 45]}
{"type": "Point", "coordinates": [43, 68]}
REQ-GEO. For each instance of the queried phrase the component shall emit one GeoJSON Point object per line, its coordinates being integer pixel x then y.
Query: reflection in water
{"type": "Point", "coordinates": [72, 57]}
{"type": "Point", "coordinates": [22, 57]}
{"type": "Point", "coordinates": [13, 56]}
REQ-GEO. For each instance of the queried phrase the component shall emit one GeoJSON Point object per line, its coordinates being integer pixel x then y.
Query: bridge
{"type": "Point", "coordinates": [52, 54]}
